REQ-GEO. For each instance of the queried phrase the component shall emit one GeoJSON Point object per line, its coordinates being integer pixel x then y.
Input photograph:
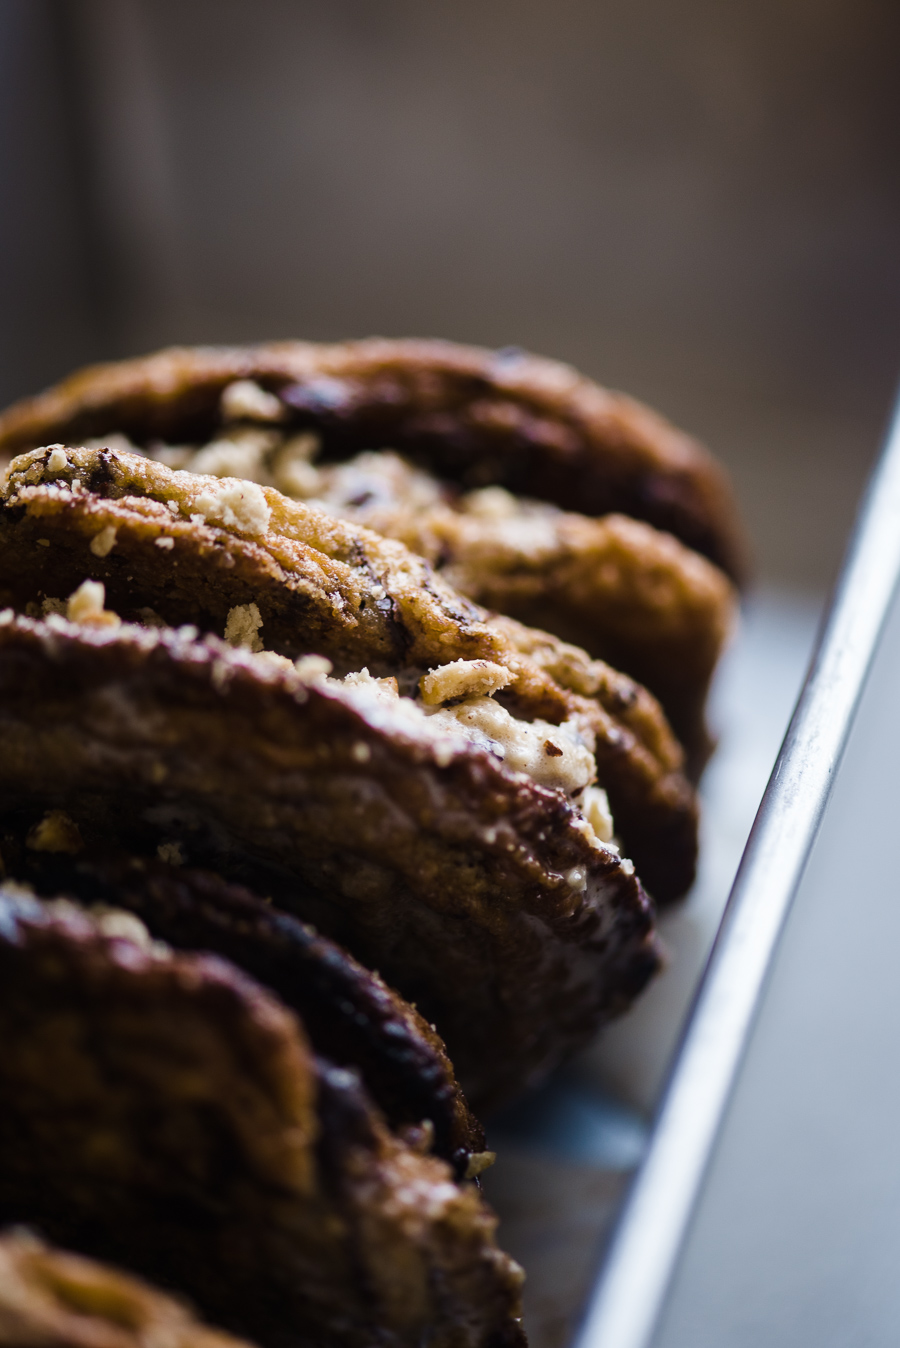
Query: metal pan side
{"type": "Point", "coordinates": [627, 1300]}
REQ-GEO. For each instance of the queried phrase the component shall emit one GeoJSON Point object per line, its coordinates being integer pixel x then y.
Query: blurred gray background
{"type": "Point", "coordinates": [698, 203]}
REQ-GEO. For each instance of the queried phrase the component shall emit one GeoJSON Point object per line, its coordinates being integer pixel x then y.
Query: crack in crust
{"type": "Point", "coordinates": [305, 574]}
{"type": "Point", "coordinates": [164, 1110]}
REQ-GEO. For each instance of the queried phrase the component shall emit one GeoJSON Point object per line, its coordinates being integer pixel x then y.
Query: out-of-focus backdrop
{"type": "Point", "coordinates": [698, 203]}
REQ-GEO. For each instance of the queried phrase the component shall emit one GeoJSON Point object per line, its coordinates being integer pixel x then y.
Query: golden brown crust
{"type": "Point", "coordinates": [351, 1016]}
{"type": "Point", "coordinates": [624, 591]}
{"type": "Point", "coordinates": [473, 416]}
{"type": "Point", "coordinates": [477, 893]}
{"type": "Point", "coordinates": [165, 1110]}
{"type": "Point", "coordinates": [324, 585]}
{"type": "Point", "coordinates": [51, 1298]}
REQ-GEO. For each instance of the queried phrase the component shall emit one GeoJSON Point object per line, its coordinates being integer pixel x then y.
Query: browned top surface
{"type": "Point", "coordinates": [326, 586]}
{"type": "Point", "coordinates": [474, 416]}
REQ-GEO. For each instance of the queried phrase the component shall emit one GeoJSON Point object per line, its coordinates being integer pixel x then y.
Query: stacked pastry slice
{"type": "Point", "coordinates": [229, 711]}
{"type": "Point", "coordinates": [166, 1112]}
{"type": "Point", "coordinates": [535, 492]}
{"type": "Point", "coordinates": [420, 781]}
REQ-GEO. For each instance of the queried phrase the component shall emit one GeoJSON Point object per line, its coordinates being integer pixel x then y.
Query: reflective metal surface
{"type": "Point", "coordinates": [627, 1300]}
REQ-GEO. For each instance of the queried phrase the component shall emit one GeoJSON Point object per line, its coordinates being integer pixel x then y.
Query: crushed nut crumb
{"type": "Point", "coordinates": [170, 853]}
{"type": "Point", "coordinates": [311, 667]}
{"type": "Point", "coordinates": [293, 471]}
{"type": "Point", "coordinates": [242, 627]}
{"type": "Point", "coordinates": [56, 832]}
{"type": "Point", "coordinates": [479, 1161]}
{"type": "Point", "coordinates": [463, 678]}
{"type": "Point", "coordinates": [85, 605]}
{"type": "Point", "coordinates": [595, 808]}
{"type": "Point", "coordinates": [235, 504]}
{"type": "Point", "coordinates": [103, 543]}
{"type": "Point", "coordinates": [245, 400]}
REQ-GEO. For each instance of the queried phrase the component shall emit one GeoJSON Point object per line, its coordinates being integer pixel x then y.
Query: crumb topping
{"type": "Point", "coordinates": [171, 853]}
{"type": "Point", "coordinates": [595, 807]}
{"type": "Point", "coordinates": [567, 764]}
{"type": "Point", "coordinates": [117, 923]}
{"type": "Point", "coordinates": [451, 707]}
{"type": "Point", "coordinates": [312, 667]}
{"type": "Point", "coordinates": [85, 605]}
{"type": "Point", "coordinates": [554, 756]}
{"type": "Point", "coordinates": [239, 453]}
{"type": "Point", "coordinates": [478, 1162]}
{"type": "Point", "coordinates": [245, 400]}
{"type": "Point", "coordinates": [378, 489]}
{"type": "Point", "coordinates": [114, 923]}
{"type": "Point", "coordinates": [293, 471]}
{"type": "Point", "coordinates": [462, 678]}
{"type": "Point", "coordinates": [242, 627]}
{"type": "Point", "coordinates": [103, 543]}
{"type": "Point", "coordinates": [56, 832]}
{"type": "Point", "coordinates": [235, 504]}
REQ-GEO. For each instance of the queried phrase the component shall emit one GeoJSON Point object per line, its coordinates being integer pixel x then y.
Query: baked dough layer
{"type": "Point", "coordinates": [163, 1110]}
{"type": "Point", "coordinates": [474, 416]}
{"type": "Point", "coordinates": [322, 585]}
{"type": "Point", "coordinates": [354, 1019]}
{"type": "Point", "coordinates": [536, 492]}
{"type": "Point", "coordinates": [478, 894]}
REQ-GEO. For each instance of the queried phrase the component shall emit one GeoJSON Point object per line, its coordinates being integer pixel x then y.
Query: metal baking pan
{"type": "Point", "coordinates": [630, 1303]}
